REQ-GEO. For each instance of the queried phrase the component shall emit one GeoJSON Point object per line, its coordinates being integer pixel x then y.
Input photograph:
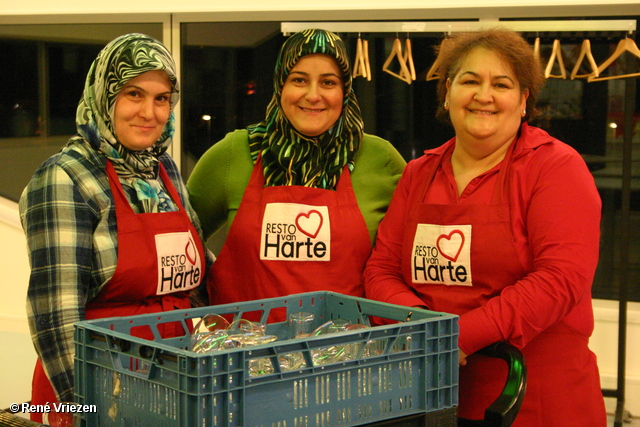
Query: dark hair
{"type": "Point", "coordinates": [510, 45]}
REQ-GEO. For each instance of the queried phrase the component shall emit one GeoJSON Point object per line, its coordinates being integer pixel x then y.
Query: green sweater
{"type": "Point", "coordinates": [220, 177]}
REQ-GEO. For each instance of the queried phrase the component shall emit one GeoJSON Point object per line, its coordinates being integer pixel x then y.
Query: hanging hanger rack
{"type": "Point", "coordinates": [448, 27]}
{"type": "Point", "coordinates": [629, 25]}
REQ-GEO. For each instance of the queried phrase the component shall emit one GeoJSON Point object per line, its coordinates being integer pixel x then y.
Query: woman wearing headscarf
{"type": "Point", "coordinates": [303, 191]}
{"type": "Point", "coordinates": [109, 226]}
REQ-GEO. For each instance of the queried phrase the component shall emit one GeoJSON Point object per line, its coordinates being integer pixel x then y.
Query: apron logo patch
{"type": "Point", "coordinates": [295, 232]}
{"type": "Point", "coordinates": [441, 254]}
{"type": "Point", "coordinates": [179, 266]}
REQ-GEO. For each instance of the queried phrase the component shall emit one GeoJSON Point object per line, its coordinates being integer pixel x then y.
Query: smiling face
{"type": "Point", "coordinates": [312, 95]}
{"type": "Point", "coordinates": [485, 101]}
{"type": "Point", "coordinates": [142, 109]}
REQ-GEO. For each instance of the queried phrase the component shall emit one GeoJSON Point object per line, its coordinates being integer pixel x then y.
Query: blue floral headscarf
{"type": "Point", "coordinates": [121, 60]}
{"type": "Point", "coordinates": [289, 157]}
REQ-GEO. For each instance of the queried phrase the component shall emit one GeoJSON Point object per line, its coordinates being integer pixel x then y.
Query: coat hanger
{"type": "Point", "coordinates": [396, 52]}
{"type": "Point", "coordinates": [556, 53]}
{"type": "Point", "coordinates": [433, 73]}
{"type": "Point", "coordinates": [624, 45]}
{"type": "Point", "coordinates": [361, 66]}
{"type": "Point", "coordinates": [585, 51]}
{"type": "Point", "coordinates": [365, 53]}
{"type": "Point", "coordinates": [408, 59]}
{"type": "Point", "coordinates": [536, 49]}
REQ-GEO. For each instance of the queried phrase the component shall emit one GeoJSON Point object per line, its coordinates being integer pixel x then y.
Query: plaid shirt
{"type": "Point", "coordinates": [68, 214]}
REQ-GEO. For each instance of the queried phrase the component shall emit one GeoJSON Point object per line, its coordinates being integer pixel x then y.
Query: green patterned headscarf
{"type": "Point", "coordinates": [121, 60]}
{"type": "Point", "coordinates": [290, 158]}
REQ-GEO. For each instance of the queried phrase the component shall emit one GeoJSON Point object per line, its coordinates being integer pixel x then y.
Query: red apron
{"type": "Point", "coordinates": [476, 267]}
{"type": "Point", "coordinates": [292, 239]}
{"type": "Point", "coordinates": [160, 258]}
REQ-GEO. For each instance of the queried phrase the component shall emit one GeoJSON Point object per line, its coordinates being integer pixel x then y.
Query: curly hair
{"type": "Point", "coordinates": [513, 48]}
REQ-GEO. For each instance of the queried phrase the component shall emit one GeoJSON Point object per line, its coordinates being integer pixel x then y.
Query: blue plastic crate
{"type": "Point", "coordinates": [138, 382]}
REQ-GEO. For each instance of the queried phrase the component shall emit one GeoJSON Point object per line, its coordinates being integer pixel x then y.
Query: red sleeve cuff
{"type": "Point", "coordinates": [476, 331]}
{"type": "Point", "coordinates": [407, 299]}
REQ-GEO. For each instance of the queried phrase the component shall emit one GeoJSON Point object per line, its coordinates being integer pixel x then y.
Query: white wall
{"type": "Point", "coordinates": [604, 342]}
{"type": "Point", "coordinates": [17, 356]}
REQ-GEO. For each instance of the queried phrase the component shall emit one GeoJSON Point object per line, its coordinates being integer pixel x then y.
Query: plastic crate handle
{"type": "Point", "coordinates": [503, 411]}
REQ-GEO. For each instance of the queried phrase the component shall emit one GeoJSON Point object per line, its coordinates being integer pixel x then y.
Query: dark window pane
{"type": "Point", "coordinates": [68, 67]}
{"type": "Point", "coordinates": [19, 100]}
{"type": "Point", "coordinates": [227, 74]}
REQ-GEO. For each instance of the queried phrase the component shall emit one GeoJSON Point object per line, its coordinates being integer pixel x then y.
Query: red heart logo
{"type": "Point", "coordinates": [309, 222]}
{"type": "Point", "coordinates": [191, 252]}
{"type": "Point", "coordinates": [451, 244]}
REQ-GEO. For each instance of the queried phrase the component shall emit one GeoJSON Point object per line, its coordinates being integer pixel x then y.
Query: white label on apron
{"type": "Point", "coordinates": [442, 254]}
{"type": "Point", "coordinates": [294, 232]}
{"type": "Point", "coordinates": [179, 264]}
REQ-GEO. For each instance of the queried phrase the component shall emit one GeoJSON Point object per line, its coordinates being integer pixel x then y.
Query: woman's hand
{"type": "Point", "coordinates": [462, 357]}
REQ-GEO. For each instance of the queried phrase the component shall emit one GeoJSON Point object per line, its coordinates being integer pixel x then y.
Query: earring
{"type": "Point", "coordinates": [446, 104]}
{"type": "Point", "coordinates": [524, 113]}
